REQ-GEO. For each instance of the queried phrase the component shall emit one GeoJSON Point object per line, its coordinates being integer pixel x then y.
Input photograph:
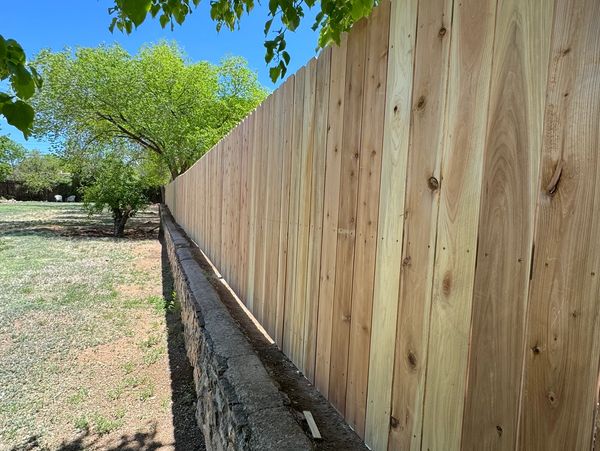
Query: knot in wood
{"type": "Point", "coordinates": [433, 183]}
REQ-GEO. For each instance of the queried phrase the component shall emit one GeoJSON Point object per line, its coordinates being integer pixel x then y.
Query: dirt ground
{"type": "Point", "coordinates": [91, 347]}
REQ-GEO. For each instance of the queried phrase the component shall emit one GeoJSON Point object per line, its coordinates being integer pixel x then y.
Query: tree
{"type": "Point", "coordinates": [156, 100]}
{"type": "Point", "coordinates": [11, 154]}
{"type": "Point", "coordinates": [333, 18]}
{"type": "Point", "coordinates": [119, 187]}
{"type": "Point", "coordinates": [41, 172]}
{"type": "Point", "coordinates": [23, 80]}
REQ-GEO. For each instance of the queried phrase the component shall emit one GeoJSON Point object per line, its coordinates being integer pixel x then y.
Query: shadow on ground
{"type": "Point", "coordinates": [75, 224]}
{"type": "Point", "coordinates": [139, 441]}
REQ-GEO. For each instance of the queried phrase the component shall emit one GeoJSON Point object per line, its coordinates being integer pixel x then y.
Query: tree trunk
{"type": "Point", "coordinates": [120, 217]}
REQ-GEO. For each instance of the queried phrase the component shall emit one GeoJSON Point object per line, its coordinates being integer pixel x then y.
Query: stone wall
{"type": "Point", "coordinates": [239, 407]}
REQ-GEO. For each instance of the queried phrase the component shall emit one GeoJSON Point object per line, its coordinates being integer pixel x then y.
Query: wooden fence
{"type": "Point", "coordinates": [414, 217]}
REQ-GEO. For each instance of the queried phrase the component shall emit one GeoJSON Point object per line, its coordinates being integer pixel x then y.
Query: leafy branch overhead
{"type": "Point", "coordinates": [23, 80]}
{"type": "Point", "coordinates": [333, 18]}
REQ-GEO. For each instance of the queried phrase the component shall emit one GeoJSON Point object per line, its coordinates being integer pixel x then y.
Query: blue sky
{"type": "Point", "coordinates": [57, 24]}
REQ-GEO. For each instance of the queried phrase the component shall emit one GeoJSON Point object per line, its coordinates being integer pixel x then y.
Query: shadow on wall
{"type": "Point", "coordinates": [187, 433]}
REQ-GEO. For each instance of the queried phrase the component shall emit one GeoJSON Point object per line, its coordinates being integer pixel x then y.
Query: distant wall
{"type": "Point", "coordinates": [414, 217]}
{"type": "Point", "coordinates": [18, 191]}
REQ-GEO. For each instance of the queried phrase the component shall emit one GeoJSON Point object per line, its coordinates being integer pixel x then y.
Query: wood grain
{"type": "Point", "coordinates": [367, 215]}
{"type": "Point", "coordinates": [304, 209]}
{"type": "Point", "coordinates": [563, 335]}
{"type": "Point", "coordinates": [403, 22]}
{"type": "Point", "coordinates": [290, 331]}
{"type": "Point", "coordinates": [507, 215]}
{"type": "Point", "coordinates": [330, 213]}
{"type": "Point", "coordinates": [468, 93]}
{"type": "Point", "coordinates": [348, 197]}
{"type": "Point", "coordinates": [422, 203]}
{"type": "Point", "coordinates": [316, 212]}
{"type": "Point", "coordinates": [286, 142]}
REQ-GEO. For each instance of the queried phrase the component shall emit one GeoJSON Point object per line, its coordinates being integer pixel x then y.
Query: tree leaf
{"type": "Point", "coordinates": [22, 82]}
{"type": "Point", "coordinates": [268, 24]}
{"type": "Point", "coordinates": [19, 114]}
{"type": "Point", "coordinates": [136, 10]}
{"type": "Point", "coordinates": [164, 20]}
{"type": "Point", "coordinates": [274, 73]}
{"type": "Point", "coordinates": [154, 10]}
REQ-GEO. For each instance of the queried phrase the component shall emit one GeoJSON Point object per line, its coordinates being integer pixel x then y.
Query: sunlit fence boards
{"type": "Point", "coordinates": [414, 217]}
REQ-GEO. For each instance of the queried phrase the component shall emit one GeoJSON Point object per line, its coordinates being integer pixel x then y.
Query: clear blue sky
{"type": "Point", "coordinates": [57, 24]}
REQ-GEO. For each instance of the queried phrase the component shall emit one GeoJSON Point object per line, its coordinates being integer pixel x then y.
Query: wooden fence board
{"type": "Point", "coordinates": [403, 22]}
{"type": "Point", "coordinates": [510, 181]}
{"type": "Point", "coordinates": [563, 337]}
{"type": "Point", "coordinates": [236, 208]}
{"type": "Point", "coordinates": [261, 215]}
{"type": "Point", "coordinates": [350, 159]}
{"type": "Point", "coordinates": [330, 215]}
{"type": "Point", "coordinates": [306, 176]}
{"type": "Point", "coordinates": [468, 93]}
{"type": "Point", "coordinates": [290, 333]}
{"type": "Point", "coordinates": [316, 212]}
{"type": "Point", "coordinates": [422, 203]}
{"type": "Point", "coordinates": [225, 152]}
{"type": "Point", "coordinates": [218, 180]}
{"type": "Point", "coordinates": [369, 176]}
{"type": "Point", "coordinates": [283, 245]}
{"type": "Point", "coordinates": [273, 214]}
{"type": "Point", "coordinates": [253, 143]}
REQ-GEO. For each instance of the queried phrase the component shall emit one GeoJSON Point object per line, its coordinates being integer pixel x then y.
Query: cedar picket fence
{"type": "Point", "coordinates": [414, 217]}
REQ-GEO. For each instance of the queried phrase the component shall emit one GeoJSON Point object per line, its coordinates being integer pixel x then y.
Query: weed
{"type": "Point", "coordinates": [150, 342]}
{"type": "Point", "coordinates": [128, 367]}
{"type": "Point", "coordinates": [78, 397]}
{"type": "Point", "coordinates": [120, 413]}
{"type": "Point", "coordinates": [114, 393]}
{"type": "Point", "coordinates": [132, 382]}
{"type": "Point", "coordinates": [153, 355]}
{"type": "Point", "coordinates": [81, 423]}
{"type": "Point", "coordinates": [158, 302]}
{"type": "Point", "coordinates": [147, 392]}
{"type": "Point", "coordinates": [103, 425]}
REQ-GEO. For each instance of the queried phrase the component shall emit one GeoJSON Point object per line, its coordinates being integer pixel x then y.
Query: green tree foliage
{"type": "Point", "coordinates": [119, 187]}
{"type": "Point", "coordinates": [333, 18]}
{"type": "Point", "coordinates": [23, 80]}
{"type": "Point", "coordinates": [157, 100]}
{"type": "Point", "coordinates": [41, 172]}
{"type": "Point", "coordinates": [11, 154]}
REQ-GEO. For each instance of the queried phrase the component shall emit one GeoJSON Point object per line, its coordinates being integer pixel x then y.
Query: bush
{"type": "Point", "coordinates": [119, 187]}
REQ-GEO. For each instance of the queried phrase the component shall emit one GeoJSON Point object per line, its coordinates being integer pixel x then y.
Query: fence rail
{"type": "Point", "coordinates": [414, 217]}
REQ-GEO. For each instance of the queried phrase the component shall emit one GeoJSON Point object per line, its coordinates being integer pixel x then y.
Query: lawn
{"type": "Point", "coordinates": [89, 333]}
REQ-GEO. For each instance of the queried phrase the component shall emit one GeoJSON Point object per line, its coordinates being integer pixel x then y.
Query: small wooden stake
{"type": "Point", "coordinates": [314, 430]}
